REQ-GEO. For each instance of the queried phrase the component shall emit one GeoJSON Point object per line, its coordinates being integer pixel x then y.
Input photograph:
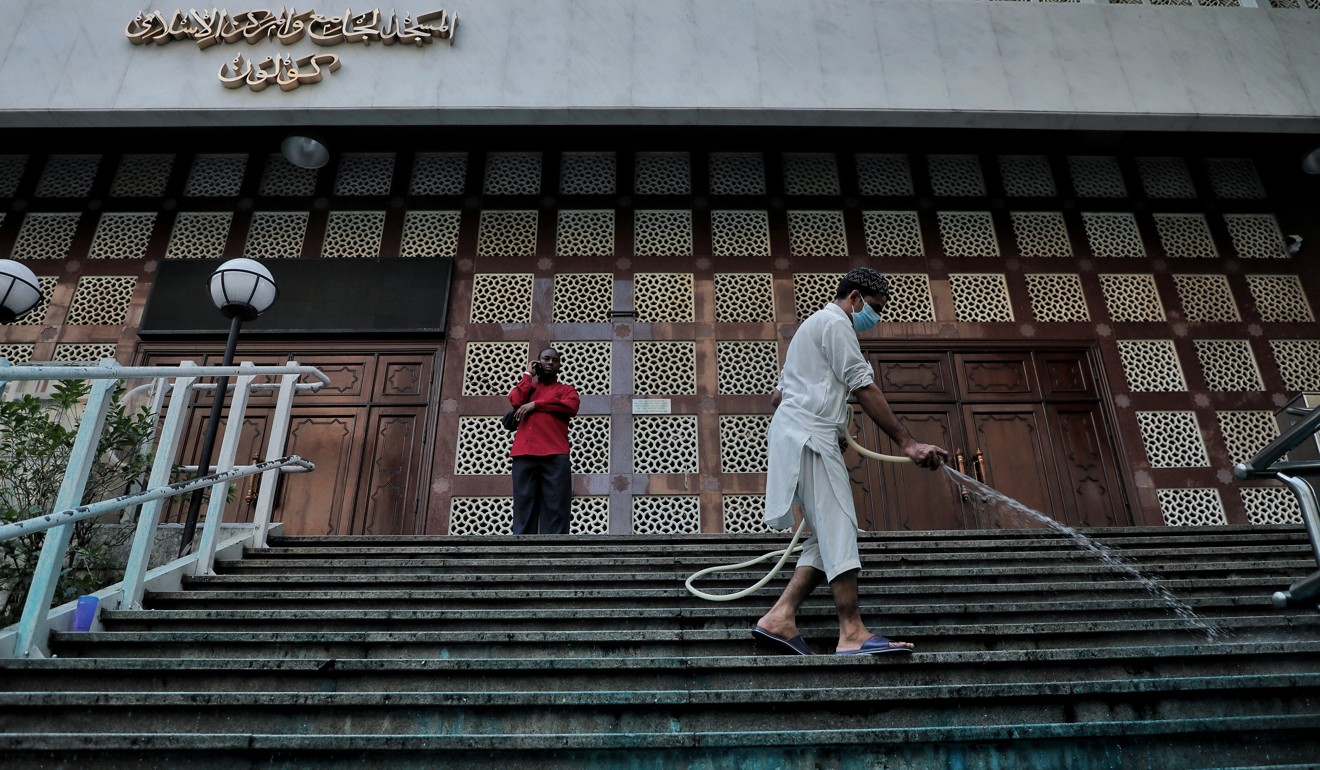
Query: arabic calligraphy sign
{"type": "Point", "coordinates": [210, 27]}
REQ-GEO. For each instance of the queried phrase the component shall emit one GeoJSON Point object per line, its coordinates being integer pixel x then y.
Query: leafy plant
{"type": "Point", "coordinates": [36, 439]}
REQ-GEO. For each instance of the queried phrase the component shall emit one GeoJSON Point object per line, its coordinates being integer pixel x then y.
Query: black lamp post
{"type": "Point", "coordinates": [19, 291]}
{"type": "Point", "coordinates": [242, 289]}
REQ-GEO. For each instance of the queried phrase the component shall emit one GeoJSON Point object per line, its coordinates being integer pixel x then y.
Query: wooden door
{"type": "Point", "coordinates": [1036, 418]}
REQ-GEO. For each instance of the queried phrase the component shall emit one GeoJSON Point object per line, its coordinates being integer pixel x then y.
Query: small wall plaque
{"type": "Point", "coordinates": [651, 406]}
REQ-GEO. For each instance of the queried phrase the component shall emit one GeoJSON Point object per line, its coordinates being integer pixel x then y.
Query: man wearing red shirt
{"type": "Point", "coordinates": [542, 475]}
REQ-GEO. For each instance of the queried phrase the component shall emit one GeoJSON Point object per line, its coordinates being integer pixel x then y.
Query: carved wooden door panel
{"type": "Point", "coordinates": [893, 496]}
{"type": "Point", "coordinates": [1091, 495]}
{"type": "Point", "coordinates": [1018, 460]}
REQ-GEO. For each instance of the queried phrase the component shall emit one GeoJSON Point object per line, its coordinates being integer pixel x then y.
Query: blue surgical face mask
{"type": "Point", "coordinates": [865, 319]}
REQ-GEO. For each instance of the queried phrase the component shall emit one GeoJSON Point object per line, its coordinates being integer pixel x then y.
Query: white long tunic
{"type": "Point", "coordinates": [823, 366]}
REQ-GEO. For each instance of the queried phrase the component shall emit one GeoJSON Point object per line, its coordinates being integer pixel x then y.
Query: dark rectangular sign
{"type": "Point", "coordinates": [318, 298]}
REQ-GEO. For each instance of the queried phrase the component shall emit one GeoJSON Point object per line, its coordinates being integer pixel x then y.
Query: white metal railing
{"type": "Point", "coordinates": [28, 637]}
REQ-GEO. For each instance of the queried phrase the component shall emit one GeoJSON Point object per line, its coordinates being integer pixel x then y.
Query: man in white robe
{"type": "Point", "coordinates": [824, 364]}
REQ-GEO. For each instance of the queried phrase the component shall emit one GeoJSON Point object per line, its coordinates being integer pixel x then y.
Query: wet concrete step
{"type": "Point", "coordinates": [689, 709]}
{"type": "Point", "coordinates": [1166, 743]}
{"type": "Point", "coordinates": [697, 642]}
{"type": "Point", "coordinates": [739, 671]}
{"type": "Point", "coordinates": [650, 618]}
{"type": "Point", "coordinates": [1154, 562]}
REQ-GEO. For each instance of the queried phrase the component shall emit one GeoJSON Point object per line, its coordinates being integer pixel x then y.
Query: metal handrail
{"type": "Point", "coordinates": [1266, 464]}
{"type": "Point", "coordinates": [29, 638]}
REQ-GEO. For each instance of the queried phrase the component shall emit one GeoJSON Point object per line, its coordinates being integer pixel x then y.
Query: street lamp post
{"type": "Point", "coordinates": [242, 289]}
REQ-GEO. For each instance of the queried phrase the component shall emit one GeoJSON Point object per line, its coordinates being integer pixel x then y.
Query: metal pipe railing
{"type": "Point", "coordinates": [1266, 464]}
{"type": "Point", "coordinates": [29, 638]}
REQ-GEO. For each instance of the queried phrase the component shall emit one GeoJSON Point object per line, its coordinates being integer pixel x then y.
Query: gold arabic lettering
{"type": "Point", "coordinates": [208, 27]}
{"type": "Point", "coordinates": [283, 70]}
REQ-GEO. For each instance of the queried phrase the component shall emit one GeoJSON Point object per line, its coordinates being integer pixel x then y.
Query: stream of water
{"type": "Point", "coordinates": [987, 495]}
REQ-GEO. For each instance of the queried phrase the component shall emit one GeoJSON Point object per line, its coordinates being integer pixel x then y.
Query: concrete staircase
{"type": "Point", "coordinates": [587, 652]}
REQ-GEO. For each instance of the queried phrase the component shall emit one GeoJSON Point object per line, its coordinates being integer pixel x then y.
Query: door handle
{"type": "Point", "coordinates": [960, 458]}
{"type": "Point", "coordinates": [254, 486]}
{"type": "Point", "coordinates": [979, 466]}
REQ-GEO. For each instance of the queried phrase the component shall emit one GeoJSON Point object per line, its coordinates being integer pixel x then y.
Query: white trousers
{"type": "Point", "coordinates": [825, 495]}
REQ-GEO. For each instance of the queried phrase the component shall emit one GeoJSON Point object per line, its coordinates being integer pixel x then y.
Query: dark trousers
{"type": "Point", "coordinates": [542, 488]}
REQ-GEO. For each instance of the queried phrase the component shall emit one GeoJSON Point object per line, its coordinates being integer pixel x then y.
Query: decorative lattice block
{"type": "Point", "coordinates": [18, 353]}
{"type": "Point", "coordinates": [1151, 366]}
{"type": "Point", "coordinates": [37, 315]}
{"type": "Point", "coordinates": [216, 176]}
{"type": "Point", "coordinates": [142, 176]}
{"type": "Point", "coordinates": [585, 234]}
{"type": "Point", "coordinates": [745, 514]}
{"type": "Point", "coordinates": [1246, 432]}
{"type": "Point", "coordinates": [744, 298]}
{"type": "Point", "coordinates": [493, 368]}
{"type": "Point", "coordinates": [980, 297]}
{"type": "Point", "coordinates": [1057, 297]}
{"type": "Point", "coordinates": [587, 173]}
{"type": "Point", "coordinates": [892, 234]}
{"type": "Point", "coordinates": [439, 173]}
{"type": "Point", "coordinates": [507, 234]}
{"type": "Point", "coordinates": [1235, 178]}
{"type": "Point", "coordinates": [665, 444]}
{"type": "Point", "coordinates": [481, 516]}
{"type": "Point", "coordinates": [276, 235]}
{"type": "Point", "coordinates": [68, 176]}
{"type": "Point", "coordinates": [282, 179]}
{"type": "Point", "coordinates": [1173, 440]}
{"type": "Point", "coordinates": [813, 291]}
{"type": "Point", "coordinates": [1191, 507]}
{"type": "Point", "coordinates": [662, 233]}
{"type": "Point", "coordinates": [589, 444]}
{"type": "Point", "coordinates": [583, 297]}
{"type": "Point", "coordinates": [353, 234]}
{"type": "Point", "coordinates": [482, 448]}
{"type": "Point", "coordinates": [1132, 297]}
{"type": "Point", "coordinates": [513, 173]}
{"type": "Point", "coordinates": [1113, 234]}
{"type": "Point", "coordinates": [45, 236]}
{"type": "Point", "coordinates": [1096, 176]}
{"type": "Point", "coordinates": [199, 235]}
{"type": "Point", "coordinates": [740, 233]}
{"type": "Point", "coordinates": [663, 297]}
{"type": "Point", "coordinates": [1027, 176]}
{"type": "Point", "coordinates": [744, 443]}
{"type": "Point", "coordinates": [585, 366]}
{"type": "Point", "coordinates": [83, 352]}
{"type": "Point", "coordinates": [590, 515]}
{"type": "Point", "coordinates": [1299, 363]}
{"type": "Point", "coordinates": [1229, 365]}
{"type": "Point", "coordinates": [817, 234]}
{"type": "Point", "coordinates": [1256, 236]}
{"type": "Point", "coordinates": [1279, 298]}
{"type": "Point", "coordinates": [746, 368]}
{"type": "Point", "coordinates": [1206, 298]}
{"type": "Point", "coordinates": [1041, 234]}
{"type": "Point", "coordinates": [662, 173]}
{"type": "Point", "coordinates": [1166, 178]}
{"type": "Point", "coordinates": [664, 368]}
{"type": "Point", "coordinates": [11, 173]}
{"type": "Point", "coordinates": [968, 234]}
{"type": "Point", "coordinates": [666, 515]}
{"type": "Point", "coordinates": [811, 173]}
{"type": "Point", "coordinates": [955, 175]}
{"type": "Point", "coordinates": [1271, 505]}
{"type": "Point", "coordinates": [501, 298]}
{"type": "Point", "coordinates": [122, 236]}
{"type": "Point", "coordinates": [1185, 235]}
{"type": "Point", "coordinates": [737, 173]}
{"type": "Point", "coordinates": [884, 174]}
{"type": "Point", "coordinates": [365, 173]}
{"type": "Point", "coordinates": [101, 300]}
{"type": "Point", "coordinates": [433, 234]}
{"type": "Point", "coordinates": [910, 300]}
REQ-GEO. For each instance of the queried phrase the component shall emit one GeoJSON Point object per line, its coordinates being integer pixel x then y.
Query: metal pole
{"type": "Point", "coordinates": [212, 427]}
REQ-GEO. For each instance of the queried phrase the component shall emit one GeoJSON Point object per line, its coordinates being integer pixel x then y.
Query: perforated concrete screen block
{"type": "Point", "coordinates": [317, 297]}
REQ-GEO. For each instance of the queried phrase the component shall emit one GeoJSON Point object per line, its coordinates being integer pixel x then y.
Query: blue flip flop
{"type": "Point", "coordinates": [875, 646]}
{"type": "Point", "coordinates": [796, 646]}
